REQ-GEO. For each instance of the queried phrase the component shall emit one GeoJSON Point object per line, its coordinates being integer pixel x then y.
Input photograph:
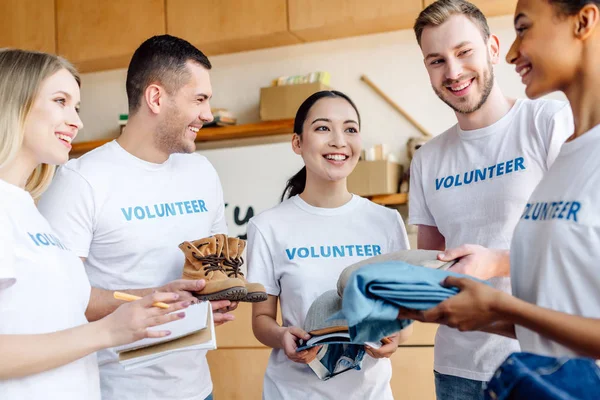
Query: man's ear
{"type": "Point", "coordinates": [153, 96]}
{"type": "Point", "coordinates": [494, 49]}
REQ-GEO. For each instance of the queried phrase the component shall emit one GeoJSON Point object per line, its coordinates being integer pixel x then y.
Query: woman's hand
{"type": "Point", "coordinates": [130, 321]}
{"type": "Point", "coordinates": [387, 350]}
{"type": "Point", "coordinates": [289, 343]}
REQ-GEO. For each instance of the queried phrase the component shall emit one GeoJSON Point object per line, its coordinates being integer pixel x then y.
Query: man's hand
{"type": "Point", "coordinates": [478, 261]}
{"type": "Point", "coordinates": [387, 350]}
{"type": "Point", "coordinates": [183, 287]}
{"type": "Point", "coordinates": [220, 308]}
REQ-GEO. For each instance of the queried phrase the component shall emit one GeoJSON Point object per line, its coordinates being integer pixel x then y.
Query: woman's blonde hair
{"type": "Point", "coordinates": [21, 75]}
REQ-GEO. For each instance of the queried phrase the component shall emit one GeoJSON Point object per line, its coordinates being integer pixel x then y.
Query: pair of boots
{"type": "Point", "coordinates": [217, 259]}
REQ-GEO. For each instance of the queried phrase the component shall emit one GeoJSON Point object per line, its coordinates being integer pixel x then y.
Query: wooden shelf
{"type": "Point", "coordinates": [390, 199]}
{"type": "Point", "coordinates": [212, 134]}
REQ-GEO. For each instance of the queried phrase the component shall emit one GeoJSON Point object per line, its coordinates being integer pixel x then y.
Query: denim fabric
{"type": "Point", "coordinates": [448, 387]}
{"type": "Point", "coordinates": [531, 376]}
{"type": "Point", "coordinates": [334, 359]}
{"type": "Point", "coordinates": [374, 292]}
{"type": "Point", "coordinates": [210, 397]}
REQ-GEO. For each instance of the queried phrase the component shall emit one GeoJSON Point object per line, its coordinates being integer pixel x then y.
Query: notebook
{"type": "Point", "coordinates": [194, 332]}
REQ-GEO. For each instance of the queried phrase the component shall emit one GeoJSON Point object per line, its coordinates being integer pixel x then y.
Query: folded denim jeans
{"type": "Point", "coordinates": [334, 359]}
{"type": "Point", "coordinates": [338, 353]}
{"type": "Point", "coordinates": [374, 293]}
{"type": "Point", "coordinates": [532, 376]}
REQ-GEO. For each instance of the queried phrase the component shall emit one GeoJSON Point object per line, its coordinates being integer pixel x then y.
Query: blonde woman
{"type": "Point", "coordinates": [46, 345]}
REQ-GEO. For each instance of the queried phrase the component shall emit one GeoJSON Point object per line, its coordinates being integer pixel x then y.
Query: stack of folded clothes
{"type": "Point", "coordinates": [373, 291]}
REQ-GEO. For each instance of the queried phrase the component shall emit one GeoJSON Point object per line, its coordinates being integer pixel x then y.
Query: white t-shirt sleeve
{"type": "Point", "coordinates": [261, 268]}
{"type": "Point", "coordinates": [69, 207]}
{"type": "Point", "coordinates": [418, 211]}
{"type": "Point", "coordinates": [220, 223]}
{"type": "Point", "coordinates": [8, 276]}
{"type": "Point", "coordinates": [399, 239]}
{"type": "Point", "coordinates": [556, 129]}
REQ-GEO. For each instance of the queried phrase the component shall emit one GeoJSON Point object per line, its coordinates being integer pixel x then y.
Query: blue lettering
{"type": "Point", "coordinates": [544, 213]}
{"type": "Point", "coordinates": [349, 247]}
{"type": "Point", "coordinates": [519, 163]}
{"type": "Point", "coordinates": [556, 209]}
{"type": "Point", "coordinates": [328, 254]}
{"type": "Point", "coordinates": [148, 213]}
{"type": "Point", "coordinates": [526, 213]}
{"type": "Point", "coordinates": [469, 178]}
{"type": "Point", "coordinates": [338, 251]}
{"type": "Point", "coordinates": [376, 250]}
{"type": "Point", "coordinates": [312, 252]}
{"type": "Point", "coordinates": [491, 169]}
{"type": "Point", "coordinates": [41, 239]}
{"type": "Point", "coordinates": [140, 214]}
{"type": "Point", "coordinates": [562, 212]}
{"type": "Point", "coordinates": [368, 250]}
{"type": "Point", "coordinates": [159, 213]}
{"type": "Point", "coordinates": [536, 212]}
{"type": "Point", "coordinates": [500, 169]}
{"type": "Point", "coordinates": [195, 206]}
{"type": "Point", "coordinates": [50, 240]}
{"type": "Point", "coordinates": [448, 182]}
{"type": "Point", "coordinates": [438, 183]}
{"type": "Point", "coordinates": [575, 207]}
{"type": "Point", "coordinates": [188, 207]}
{"type": "Point", "coordinates": [179, 205]}
{"type": "Point", "coordinates": [480, 174]}
{"type": "Point", "coordinates": [170, 209]}
{"type": "Point", "coordinates": [127, 215]}
{"type": "Point", "coordinates": [290, 253]}
{"type": "Point", "coordinates": [359, 251]}
{"type": "Point", "coordinates": [202, 206]}
{"type": "Point", "coordinates": [302, 252]}
{"type": "Point", "coordinates": [34, 240]}
{"type": "Point", "coordinates": [509, 166]}
{"type": "Point", "coordinates": [458, 182]}
{"type": "Point", "coordinates": [552, 208]}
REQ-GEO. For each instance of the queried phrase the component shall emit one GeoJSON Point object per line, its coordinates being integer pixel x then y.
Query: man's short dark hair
{"type": "Point", "coordinates": [160, 59]}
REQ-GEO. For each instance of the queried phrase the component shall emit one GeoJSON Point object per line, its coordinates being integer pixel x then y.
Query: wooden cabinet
{"type": "Point", "coordinates": [237, 374]}
{"type": "Point", "coordinates": [491, 8]}
{"type": "Point", "coordinates": [27, 25]}
{"type": "Point", "coordinates": [412, 373]}
{"type": "Point", "coordinates": [99, 35]}
{"type": "Point", "coordinates": [313, 20]}
{"type": "Point", "coordinates": [227, 26]}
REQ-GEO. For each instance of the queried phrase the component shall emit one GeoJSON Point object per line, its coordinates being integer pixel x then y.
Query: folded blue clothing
{"type": "Point", "coordinates": [375, 292]}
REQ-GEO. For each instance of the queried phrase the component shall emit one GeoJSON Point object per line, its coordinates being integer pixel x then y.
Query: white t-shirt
{"type": "Point", "coordinates": [473, 185]}
{"type": "Point", "coordinates": [127, 216]}
{"type": "Point", "coordinates": [297, 252]}
{"type": "Point", "coordinates": [556, 246]}
{"type": "Point", "coordinates": [43, 289]}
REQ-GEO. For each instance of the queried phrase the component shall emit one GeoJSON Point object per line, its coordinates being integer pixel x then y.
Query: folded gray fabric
{"type": "Point", "coordinates": [317, 318]}
{"type": "Point", "coordinates": [423, 258]}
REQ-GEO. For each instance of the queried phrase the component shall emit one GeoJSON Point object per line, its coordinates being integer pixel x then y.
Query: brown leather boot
{"type": "Point", "coordinates": [232, 261]}
{"type": "Point", "coordinates": [202, 261]}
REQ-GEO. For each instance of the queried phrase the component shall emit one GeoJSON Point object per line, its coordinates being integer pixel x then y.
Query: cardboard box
{"type": "Point", "coordinates": [282, 102]}
{"type": "Point", "coordinates": [371, 178]}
